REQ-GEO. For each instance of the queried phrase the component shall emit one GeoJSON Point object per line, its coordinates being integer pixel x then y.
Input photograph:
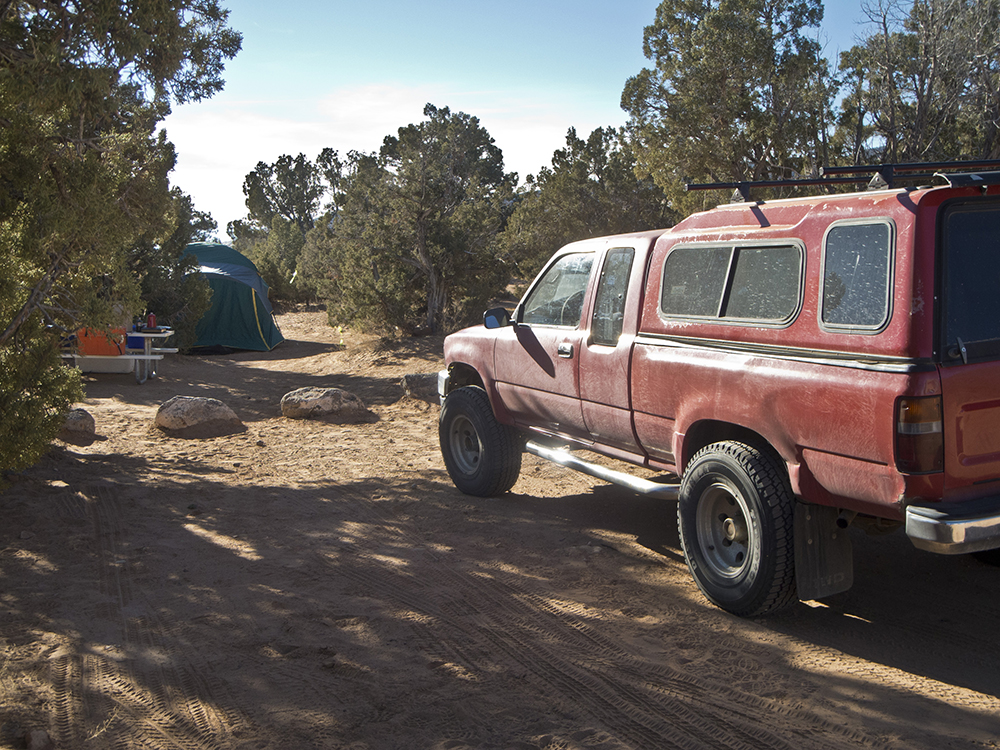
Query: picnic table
{"type": "Point", "coordinates": [145, 363]}
{"type": "Point", "coordinates": [139, 354]}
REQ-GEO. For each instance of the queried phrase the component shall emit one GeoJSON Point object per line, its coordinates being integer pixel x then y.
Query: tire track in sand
{"type": "Point", "coordinates": [163, 700]}
{"type": "Point", "coordinates": [642, 704]}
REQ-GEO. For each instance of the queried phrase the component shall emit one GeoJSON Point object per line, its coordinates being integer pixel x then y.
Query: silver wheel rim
{"type": "Point", "coordinates": [725, 533]}
{"type": "Point", "coordinates": [466, 447]}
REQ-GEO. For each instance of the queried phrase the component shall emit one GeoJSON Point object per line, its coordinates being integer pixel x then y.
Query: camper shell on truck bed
{"type": "Point", "coordinates": [800, 364]}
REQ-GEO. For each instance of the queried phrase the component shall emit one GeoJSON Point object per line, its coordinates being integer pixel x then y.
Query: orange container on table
{"type": "Point", "coordinates": [92, 342]}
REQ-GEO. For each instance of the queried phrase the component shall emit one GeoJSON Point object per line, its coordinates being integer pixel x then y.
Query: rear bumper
{"type": "Point", "coordinates": [955, 528]}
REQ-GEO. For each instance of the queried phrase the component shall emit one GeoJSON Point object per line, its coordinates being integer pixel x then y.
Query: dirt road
{"type": "Point", "coordinates": [311, 585]}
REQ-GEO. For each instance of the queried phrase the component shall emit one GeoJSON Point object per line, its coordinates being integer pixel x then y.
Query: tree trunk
{"type": "Point", "coordinates": [435, 300]}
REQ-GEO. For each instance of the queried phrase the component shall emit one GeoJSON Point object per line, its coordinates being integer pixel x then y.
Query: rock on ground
{"type": "Point", "coordinates": [79, 427]}
{"type": "Point", "coordinates": [421, 385]}
{"type": "Point", "coordinates": [331, 404]}
{"type": "Point", "coordinates": [197, 416]}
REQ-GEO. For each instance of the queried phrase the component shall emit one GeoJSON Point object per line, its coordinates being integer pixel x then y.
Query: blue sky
{"type": "Point", "coordinates": [316, 73]}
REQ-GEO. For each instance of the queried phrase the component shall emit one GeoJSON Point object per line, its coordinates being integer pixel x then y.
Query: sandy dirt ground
{"type": "Point", "coordinates": [304, 584]}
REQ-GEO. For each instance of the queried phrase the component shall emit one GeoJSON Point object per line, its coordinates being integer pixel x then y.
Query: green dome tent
{"type": "Point", "coordinates": [240, 316]}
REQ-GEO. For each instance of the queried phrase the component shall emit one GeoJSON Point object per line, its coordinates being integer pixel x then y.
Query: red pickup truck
{"type": "Point", "coordinates": [801, 365]}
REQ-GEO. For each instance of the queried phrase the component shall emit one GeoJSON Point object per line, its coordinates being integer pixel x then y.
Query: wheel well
{"type": "Point", "coordinates": [462, 374]}
{"type": "Point", "coordinates": [709, 431]}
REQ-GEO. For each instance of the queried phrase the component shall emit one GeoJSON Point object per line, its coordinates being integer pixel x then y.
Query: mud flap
{"type": "Point", "coordinates": [824, 562]}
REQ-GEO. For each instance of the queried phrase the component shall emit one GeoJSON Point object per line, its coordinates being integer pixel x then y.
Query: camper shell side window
{"type": "Point", "coordinates": [757, 285]}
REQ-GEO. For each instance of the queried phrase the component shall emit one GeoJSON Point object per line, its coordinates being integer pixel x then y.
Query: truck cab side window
{"type": "Point", "coordinates": [609, 308]}
{"type": "Point", "coordinates": [557, 299]}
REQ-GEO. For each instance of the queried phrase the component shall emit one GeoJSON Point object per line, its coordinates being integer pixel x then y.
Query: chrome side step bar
{"type": "Point", "coordinates": [563, 457]}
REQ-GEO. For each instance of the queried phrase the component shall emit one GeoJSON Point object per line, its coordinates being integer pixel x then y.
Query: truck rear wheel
{"type": "Point", "coordinates": [483, 456]}
{"type": "Point", "coordinates": [735, 517]}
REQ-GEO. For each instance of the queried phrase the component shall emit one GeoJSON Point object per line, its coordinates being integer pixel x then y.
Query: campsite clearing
{"type": "Point", "coordinates": [304, 584]}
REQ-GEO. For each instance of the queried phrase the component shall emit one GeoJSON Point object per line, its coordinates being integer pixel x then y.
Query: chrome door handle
{"type": "Point", "coordinates": [565, 350]}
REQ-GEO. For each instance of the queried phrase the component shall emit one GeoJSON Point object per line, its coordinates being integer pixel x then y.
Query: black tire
{"type": "Point", "coordinates": [482, 455]}
{"type": "Point", "coordinates": [735, 516]}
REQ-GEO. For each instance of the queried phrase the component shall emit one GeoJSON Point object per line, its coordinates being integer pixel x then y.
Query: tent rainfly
{"type": "Point", "coordinates": [240, 316]}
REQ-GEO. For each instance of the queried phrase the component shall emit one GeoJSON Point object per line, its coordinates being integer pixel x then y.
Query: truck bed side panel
{"type": "Point", "coordinates": [840, 444]}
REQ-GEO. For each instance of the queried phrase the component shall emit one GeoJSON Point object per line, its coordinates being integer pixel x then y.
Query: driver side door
{"type": "Point", "coordinates": [537, 360]}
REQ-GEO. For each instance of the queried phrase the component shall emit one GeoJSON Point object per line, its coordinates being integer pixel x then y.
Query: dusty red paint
{"type": "Point", "coordinates": [824, 399]}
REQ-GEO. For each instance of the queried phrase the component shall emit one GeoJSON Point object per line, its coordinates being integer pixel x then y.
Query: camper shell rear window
{"type": "Point", "coordinates": [970, 237]}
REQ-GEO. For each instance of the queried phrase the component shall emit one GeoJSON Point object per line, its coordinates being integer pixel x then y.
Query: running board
{"type": "Point", "coordinates": [563, 457]}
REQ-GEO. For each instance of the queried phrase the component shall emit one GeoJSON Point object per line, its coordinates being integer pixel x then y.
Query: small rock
{"type": "Point", "coordinates": [27, 534]}
{"type": "Point", "coordinates": [333, 404]}
{"type": "Point", "coordinates": [79, 427]}
{"type": "Point", "coordinates": [79, 420]}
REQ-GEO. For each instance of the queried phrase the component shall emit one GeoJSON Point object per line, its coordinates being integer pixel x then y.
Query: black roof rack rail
{"type": "Point", "coordinates": [743, 188]}
{"type": "Point", "coordinates": [921, 166]}
{"type": "Point", "coordinates": [970, 179]}
{"type": "Point", "coordinates": [878, 176]}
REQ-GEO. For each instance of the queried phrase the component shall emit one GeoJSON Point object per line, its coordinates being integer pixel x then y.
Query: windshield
{"type": "Point", "coordinates": [971, 322]}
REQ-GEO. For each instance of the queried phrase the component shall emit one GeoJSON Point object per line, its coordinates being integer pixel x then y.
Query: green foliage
{"type": "Point", "coordinates": [277, 256]}
{"type": "Point", "coordinates": [737, 92]}
{"type": "Point", "coordinates": [64, 231]}
{"type": "Point", "coordinates": [591, 189]}
{"type": "Point", "coordinates": [83, 172]}
{"type": "Point", "coordinates": [283, 200]}
{"type": "Point", "coordinates": [317, 271]}
{"type": "Point", "coordinates": [292, 189]}
{"type": "Point", "coordinates": [412, 242]}
{"type": "Point", "coordinates": [35, 393]}
{"type": "Point", "coordinates": [925, 85]}
{"type": "Point", "coordinates": [349, 259]}
{"type": "Point", "coordinates": [168, 287]}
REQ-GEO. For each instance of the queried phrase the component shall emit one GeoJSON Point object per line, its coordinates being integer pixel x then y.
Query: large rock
{"type": "Point", "coordinates": [331, 404]}
{"type": "Point", "coordinates": [197, 416]}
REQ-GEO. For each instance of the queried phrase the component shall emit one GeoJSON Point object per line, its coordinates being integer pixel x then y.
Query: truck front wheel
{"type": "Point", "coordinates": [735, 517]}
{"type": "Point", "coordinates": [483, 456]}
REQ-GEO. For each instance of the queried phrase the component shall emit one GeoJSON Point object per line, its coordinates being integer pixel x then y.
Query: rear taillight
{"type": "Point", "coordinates": [919, 435]}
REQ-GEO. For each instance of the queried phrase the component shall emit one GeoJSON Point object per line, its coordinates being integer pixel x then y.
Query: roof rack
{"type": "Point", "coordinates": [885, 176]}
{"type": "Point", "coordinates": [970, 179]}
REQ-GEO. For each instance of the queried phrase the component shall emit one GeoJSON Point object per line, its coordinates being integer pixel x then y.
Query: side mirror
{"type": "Point", "coordinates": [496, 317]}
